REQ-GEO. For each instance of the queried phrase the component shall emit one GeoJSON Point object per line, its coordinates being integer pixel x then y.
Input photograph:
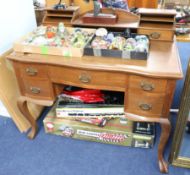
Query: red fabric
{"type": "Point", "coordinates": [87, 95]}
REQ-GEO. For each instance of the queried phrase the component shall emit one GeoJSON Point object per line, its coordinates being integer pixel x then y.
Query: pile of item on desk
{"type": "Point", "coordinates": [55, 40]}
{"type": "Point", "coordinates": [118, 44]}
{"type": "Point", "coordinates": [76, 42]}
{"type": "Point", "coordinates": [96, 115]}
{"type": "Point", "coordinates": [59, 36]}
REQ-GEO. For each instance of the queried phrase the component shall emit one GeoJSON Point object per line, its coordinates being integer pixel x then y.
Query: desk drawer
{"type": "Point", "coordinates": [166, 35]}
{"type": "Point", "coordinates": [145, 104]}
{"type": "Point", "coordinates": [32, 70]}
{"type": "Point", "coordinates": [39, 88]}
{"type": "Point", "coordinates": [147, 84]}
{"type": "Point", "coordinates": [88, 78]}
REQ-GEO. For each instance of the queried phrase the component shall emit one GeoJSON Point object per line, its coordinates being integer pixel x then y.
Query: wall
{"type": "Point", "coordinates": [16, 18]}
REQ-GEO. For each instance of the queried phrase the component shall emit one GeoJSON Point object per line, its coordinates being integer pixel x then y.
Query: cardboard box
{"type": "Point", "coordinates": [141, 134]}
{"type": "Point", "coordinates": [115, 53]}
{"type": "Point", "coordinates": [20, 46]}
{"type": "Point", "coordinates": [117, 131]}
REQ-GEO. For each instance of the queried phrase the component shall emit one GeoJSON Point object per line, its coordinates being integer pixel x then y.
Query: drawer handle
{"type": "Point", "coordinates": [145, 107]}
{"type": "Point", "coordinates": [31, 71]}
{"type": "Point", "coordinates": [147, 86]}
{"type": "Point", "coordinates": [35, 90]}
{"type": "Point", "coordinates": [84, 78]}
{"type": "Point", "coordinates": [155, 35]}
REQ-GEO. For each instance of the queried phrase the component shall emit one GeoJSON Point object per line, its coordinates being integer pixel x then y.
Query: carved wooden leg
{"type": "Point", "coordinates": [166, 127]}
{"type": "Point", "coordinates": [22, 105]}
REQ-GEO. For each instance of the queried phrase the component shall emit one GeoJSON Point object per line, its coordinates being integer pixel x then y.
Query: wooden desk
{"type": "Point", "coordinates": [9, 93]}
{"type": "Point", "coordinates": [148, 86]}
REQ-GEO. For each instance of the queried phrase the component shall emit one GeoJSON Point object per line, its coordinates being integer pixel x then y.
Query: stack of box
{"type": "Point", "coordinates": [104, 123]}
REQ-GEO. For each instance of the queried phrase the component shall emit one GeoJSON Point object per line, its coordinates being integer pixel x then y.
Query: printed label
{"type": "Point", "coordinates": [113, 138]}
{"type": "Point", "coordinates": [44, 50]}
{"type": "Point", "coordinates": [88, 133]}
{"type": "Point", "coordinates": [105, 137]}
{"type": "Point", "coordinates": [67, 53]}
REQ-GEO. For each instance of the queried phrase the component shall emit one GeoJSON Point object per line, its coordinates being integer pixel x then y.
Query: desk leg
{"type": "Point", "coordinates": [22, 105]}
{"type": "Point", "coordinates": [166, 127]}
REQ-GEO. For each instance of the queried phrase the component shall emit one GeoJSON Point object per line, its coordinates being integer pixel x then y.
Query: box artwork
{"type": "Point", "coordinates": [117, 131]}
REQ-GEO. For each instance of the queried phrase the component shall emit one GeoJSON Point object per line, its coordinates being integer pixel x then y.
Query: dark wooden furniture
{"type": "Point", "coordinates": [53, 17]}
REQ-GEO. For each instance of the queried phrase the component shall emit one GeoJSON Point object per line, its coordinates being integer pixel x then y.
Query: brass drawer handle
{"type": "Point", "coordinates": [147, 86]}
{"type": "Point", "coordinates": [35, 90]}
{"type": "Point", "coordinates": [145, 107]}
{"type": "Point", "coordinates": [84, 78]}
{"type": "Point", "coordinates": [31, 71]}
{"type": "Point", "coordinates": [155, 35]}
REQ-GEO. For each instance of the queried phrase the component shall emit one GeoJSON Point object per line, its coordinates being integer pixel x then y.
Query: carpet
{"type": "Point", "coordinates": [50, 155]}
{"type": "Point", "coordinates": [184, 53]}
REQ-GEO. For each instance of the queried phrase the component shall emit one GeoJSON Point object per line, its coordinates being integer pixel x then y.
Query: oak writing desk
{"type": "Point", "coordinates": [148, 85]}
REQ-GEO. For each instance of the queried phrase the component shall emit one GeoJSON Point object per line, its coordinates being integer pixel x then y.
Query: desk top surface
{"type": "Point", "coordinates": [163, 62]}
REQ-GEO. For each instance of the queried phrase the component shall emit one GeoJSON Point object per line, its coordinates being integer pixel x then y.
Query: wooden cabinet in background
{"type": "Point", "coordinates": [143, 3]}
{"type": "Point", "coordinates": [53, 17]}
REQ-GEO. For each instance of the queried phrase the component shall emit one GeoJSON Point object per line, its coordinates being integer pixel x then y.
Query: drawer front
{"type": "Point", "coordinates": [166, 35]}
{"type": "Point", "coordinates": [32, 70]}
{"type": "Point", "coordinates": [40, 89]}
{"type": "Point", "coordinates": [88, 79]}
{"type": "Point", "coordinates": [145, 104]}
{"type": "Point", "coordinates": [147, 84]}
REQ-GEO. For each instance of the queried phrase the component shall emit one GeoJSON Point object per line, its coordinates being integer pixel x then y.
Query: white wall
{"type": "Point", "coordinates": [17, 17]}
{"type": "Point", "coordinates": [3, 110]}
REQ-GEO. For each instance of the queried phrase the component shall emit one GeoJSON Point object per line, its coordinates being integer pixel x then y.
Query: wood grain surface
{"type": "Point", "coordinates": [9, 92]}
{"type": "Point", "coordinates": [163, 61]}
